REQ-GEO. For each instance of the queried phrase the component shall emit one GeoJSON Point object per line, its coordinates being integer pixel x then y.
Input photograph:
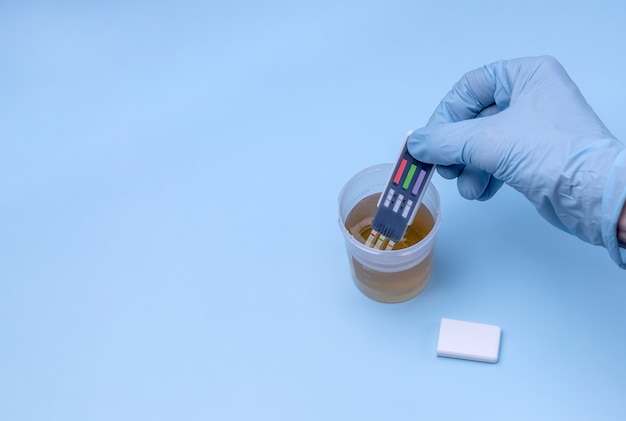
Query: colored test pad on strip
{"type": "Point", "coordinates": [402, 196]}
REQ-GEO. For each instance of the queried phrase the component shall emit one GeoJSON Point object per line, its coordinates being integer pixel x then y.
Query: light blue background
{"type": "Point", "coordinates": [169, 247]}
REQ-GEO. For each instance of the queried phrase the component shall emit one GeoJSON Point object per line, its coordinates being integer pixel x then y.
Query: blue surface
{"type": "Point", "coordinates": [134, 286]}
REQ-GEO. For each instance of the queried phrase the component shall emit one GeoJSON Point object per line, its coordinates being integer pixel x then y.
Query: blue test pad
{"type": "Point", "coordinates": [400, 200]}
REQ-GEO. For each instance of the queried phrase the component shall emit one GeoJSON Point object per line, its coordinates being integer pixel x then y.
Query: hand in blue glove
{"type": "Point", "coordinates": [539, 135]}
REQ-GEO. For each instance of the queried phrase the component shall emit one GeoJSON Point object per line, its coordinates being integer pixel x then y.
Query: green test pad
{"type": "Point", "coordinates": [400, 199]}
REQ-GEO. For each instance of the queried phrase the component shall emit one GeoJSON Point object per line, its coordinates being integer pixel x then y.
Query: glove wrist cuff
{"type": "Point", "coordinates": [613, 201]}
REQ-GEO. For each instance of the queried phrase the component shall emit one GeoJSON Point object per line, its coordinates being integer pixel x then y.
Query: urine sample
{"type": "Point", "coordinates": [359, 223]}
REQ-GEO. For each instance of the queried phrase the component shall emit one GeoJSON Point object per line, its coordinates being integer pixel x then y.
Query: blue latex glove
{"type": "Point", "coordinates": [537, 134]}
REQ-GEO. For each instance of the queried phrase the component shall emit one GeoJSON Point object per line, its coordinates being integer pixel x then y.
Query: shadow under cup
{"type": "Point", "coordinates": [388, 276]}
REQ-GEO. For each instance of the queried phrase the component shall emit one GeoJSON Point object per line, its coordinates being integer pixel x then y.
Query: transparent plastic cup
{"type": "Point", "coordinates": [388, 276]}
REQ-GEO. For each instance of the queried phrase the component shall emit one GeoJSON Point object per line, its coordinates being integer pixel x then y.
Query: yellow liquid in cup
{"type": "Point", "coordinates": [390, 287]}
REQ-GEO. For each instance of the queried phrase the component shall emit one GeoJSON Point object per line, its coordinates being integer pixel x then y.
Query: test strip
{"type": "Point", "coordinates": [371, 238]}
{"type": "Point", "coordinates": [400, 200]}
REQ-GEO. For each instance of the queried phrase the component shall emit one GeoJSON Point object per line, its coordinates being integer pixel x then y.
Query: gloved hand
{"type": "Point", "coordinates": [539, 135]}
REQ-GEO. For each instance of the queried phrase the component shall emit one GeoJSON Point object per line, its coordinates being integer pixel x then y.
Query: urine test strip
{"type": "Point", "coordinates": [400, 200]}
